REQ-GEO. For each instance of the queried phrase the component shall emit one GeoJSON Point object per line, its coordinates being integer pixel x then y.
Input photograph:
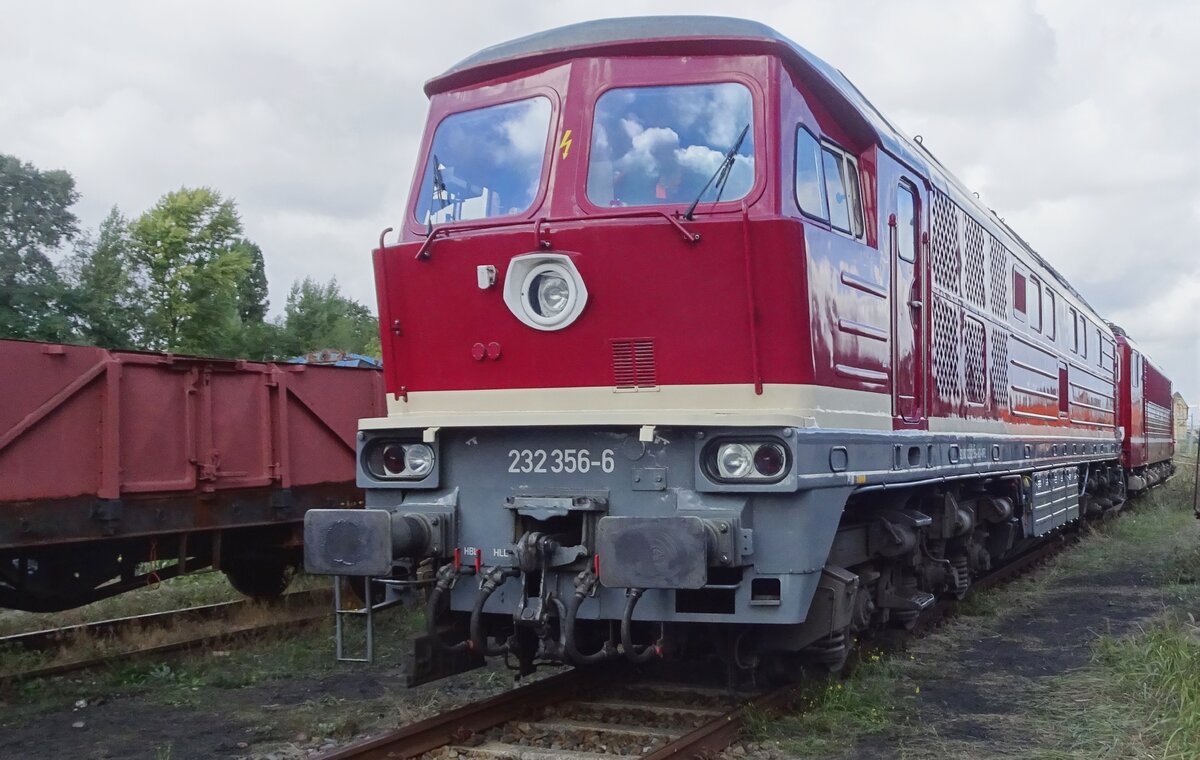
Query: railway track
{"type": "Point", "coordinates": [101, 641]}
{"type": "Point", "coordinates": [578, 715]}
{"type": "Point", "coordinates": [587, 714]}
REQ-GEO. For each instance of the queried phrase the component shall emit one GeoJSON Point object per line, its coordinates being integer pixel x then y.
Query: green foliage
{"type": "Point", "coordinates": [105, 297]}
{"type": "Point", "coordinates": [318, 316]}
{"type": "Point", "coordinates": [35, 220]}
{"type": "Point", "coordinates": [252, 289]}
{"type": "Point", "coordinates": [190, 248]}
{"type": "Point", "coordinates": [180, 277]}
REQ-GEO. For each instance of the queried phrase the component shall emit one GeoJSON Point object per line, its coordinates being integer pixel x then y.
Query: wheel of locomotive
{"type": "Point", "coordinates": [259, 577]}
{"type": "Point", "coordinates": [831, 651]}
{"type": "Point", "coordinates": [907, 619]}
{"type": "Point", "coordinates": [960, 577]}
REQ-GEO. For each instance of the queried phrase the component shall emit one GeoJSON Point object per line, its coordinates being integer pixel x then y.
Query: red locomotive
{"type": "Point", "coordinates": [689, 347]}
{"type": "Point", "coordinates": [1146, 415]}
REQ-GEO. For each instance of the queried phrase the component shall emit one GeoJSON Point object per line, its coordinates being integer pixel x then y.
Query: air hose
{"type": "Point", "coordinates": [635, 653]}
{"type": "Point", "coordinates": [585, 582]}
{"type": "Point", "coordinates": [493, 581]}
{"type": "Point", "coordinates": [446, 577]}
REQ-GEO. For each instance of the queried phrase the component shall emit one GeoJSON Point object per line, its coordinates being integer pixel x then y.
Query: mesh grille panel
{"type": "Point", "coordinates": [999, 368]}
{"type": "Point", "coordinates": [945, 350]}
{"type": "Point", "coordinates": [944, 242]}
{"type": "Point", "coordinates": [974, 280]}
{"type": "Point", "coordinates": [974, 361]}
{"type": "Point", "coordinates": [999, 262]}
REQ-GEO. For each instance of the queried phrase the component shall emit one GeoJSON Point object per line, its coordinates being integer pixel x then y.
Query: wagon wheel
{"type": "Point", "coordinates": [259, 577]}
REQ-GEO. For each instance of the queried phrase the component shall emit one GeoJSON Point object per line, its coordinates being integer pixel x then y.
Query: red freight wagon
{"type": "Point", "coordinates": [109, 459]}
{"type": "Point", "coordinates": [1146, 414]}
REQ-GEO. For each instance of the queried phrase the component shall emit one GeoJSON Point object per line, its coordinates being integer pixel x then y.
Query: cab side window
{"type": "Point", "coordinates": [906, 222]}
{"type": "Point", "coordinates": [1049, 314]}
{"type": "Point", "coordinates": [1033, 298]}
{"type": "Point", "coordinates": [810, 193]}
{"type": "Point", "coordinates": [1074, 329]}
{"type": "Point", "coordinates": [827, 184]}
{"type": "Point", "coordinates": [835, 190]}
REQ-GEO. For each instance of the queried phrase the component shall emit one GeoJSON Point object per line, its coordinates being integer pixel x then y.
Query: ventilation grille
{"type": "Point", "coordinates": [633, 364]}
{"type": "Point", "coordinates": [944, 242]}
{"type": "Point", "coordinates": [974, 282]}
{"type": "Point", "coordinates": [999, 368]}
{"type": "Point", "coordinates": [999, 261]}
{"type": "Point", "coordinates": [945, 350]}
{"type": "Point", "coordinates": [975, 361]}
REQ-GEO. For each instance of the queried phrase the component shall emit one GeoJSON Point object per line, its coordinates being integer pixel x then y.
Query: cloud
{"type": "Point", "coordinates": [1076, 122]}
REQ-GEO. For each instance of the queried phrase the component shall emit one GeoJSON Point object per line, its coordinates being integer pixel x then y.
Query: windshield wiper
{"type": "Point", "coordinates": [722, 173]}
{"type": "Point", "coordinates": [439, 193]}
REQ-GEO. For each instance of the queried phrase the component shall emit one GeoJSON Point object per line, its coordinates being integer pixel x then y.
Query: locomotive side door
{"type": "Point", "coordinates": [908, 308]}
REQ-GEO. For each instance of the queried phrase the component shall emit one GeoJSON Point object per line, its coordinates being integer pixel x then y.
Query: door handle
{"type": "Point", "coordinates": [916, 304]}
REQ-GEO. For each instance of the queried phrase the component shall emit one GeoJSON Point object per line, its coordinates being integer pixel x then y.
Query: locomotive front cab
{"type": "Point", "coordinates": [619, 422]}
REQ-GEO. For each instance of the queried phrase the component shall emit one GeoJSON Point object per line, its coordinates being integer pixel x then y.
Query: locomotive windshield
{"type": "Point", "coordinates": [660, 145]}
{"type": "Point", "coordinates": [485, 163]}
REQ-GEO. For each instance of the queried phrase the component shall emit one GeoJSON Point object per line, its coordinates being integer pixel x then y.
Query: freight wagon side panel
{"type": "Point", "coordinates": [82, 427]}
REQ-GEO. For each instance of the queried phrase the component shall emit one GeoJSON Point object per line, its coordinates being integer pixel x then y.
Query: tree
{"type": "Point", "coordinates": [106, 299]}
{"type": "Point", "coordinates": [252, 289]}
{"type": "Point", "coordinates": [35, 220]}
{"type": "Point", "coordinates": [193, 258]}
{"type": "Point", "coordinates": [318, 316]}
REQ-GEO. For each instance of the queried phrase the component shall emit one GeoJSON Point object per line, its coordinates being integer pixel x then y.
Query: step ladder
{"type": "Point", "coordinates": [340, 614]}
{"type": "Point", "coordinates": [393, 596]}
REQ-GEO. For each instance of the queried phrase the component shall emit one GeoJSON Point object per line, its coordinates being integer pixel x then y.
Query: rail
{"type": "Point", "coordinates": [296, 608]}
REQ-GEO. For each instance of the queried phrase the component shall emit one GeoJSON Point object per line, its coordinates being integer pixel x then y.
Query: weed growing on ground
{"type": "Point", "coordinates": [1140, 697]}
{"type": "Point", "coordinates": [836, 712]}
{"type": "Point", "coordinates": [204, 587]}
{"type": "Point", "coordinates": [1159, 667]}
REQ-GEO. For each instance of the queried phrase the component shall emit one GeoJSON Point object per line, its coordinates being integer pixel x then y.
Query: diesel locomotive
{"type": "Point", "coordinates": [688, 348]}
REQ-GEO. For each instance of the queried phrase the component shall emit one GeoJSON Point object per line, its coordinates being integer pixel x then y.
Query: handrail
{"type": "Point", "coordinates": [424, 252]}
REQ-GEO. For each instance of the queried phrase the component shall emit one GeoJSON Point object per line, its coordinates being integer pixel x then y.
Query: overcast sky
{"type": "Point", "coordinates": [1079, 122]}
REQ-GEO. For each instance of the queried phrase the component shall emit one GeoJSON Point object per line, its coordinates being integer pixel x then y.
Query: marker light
{"type": "Point", "coordinates": [418, 458]}
{"type": "Point", "coordinates": [734, 460]}
{"type": "Point", "coordinates": [397, 460]}
{"type": "Point", "coordinates": [769, 460]}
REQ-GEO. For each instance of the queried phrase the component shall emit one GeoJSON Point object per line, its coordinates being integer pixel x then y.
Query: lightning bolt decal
{"type": "Point", "coordinates": [565, 143]}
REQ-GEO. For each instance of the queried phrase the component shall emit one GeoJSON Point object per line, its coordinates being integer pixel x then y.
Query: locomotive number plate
{"type": "Point", "coordinates": [560, 460]}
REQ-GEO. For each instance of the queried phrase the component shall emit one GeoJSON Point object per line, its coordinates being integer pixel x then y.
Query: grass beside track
{"type": "Point", "coordinates": [1134, 694]}
{"type": "Point", "coordinates": [205, 587]}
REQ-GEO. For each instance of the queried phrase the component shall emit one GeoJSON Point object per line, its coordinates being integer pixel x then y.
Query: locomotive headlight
{"type": "Point", "coordinates": [753, 461]}
{"type": "Point", "coordinates": [734, 460]}
{"type": "Point", "coordinates": [544, 290]}
{"type": "Point", "coordinates": [553, 294]}
{"type": "Point", "coordinates": [548, 294]}
{"type": "Point", "coordinates": [418, 459]}
{"type": "Point", "coordinates": [398, 460]}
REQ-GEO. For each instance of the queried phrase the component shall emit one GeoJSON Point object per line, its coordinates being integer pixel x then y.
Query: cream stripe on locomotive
{"type": "Point", "coordinates": [733, 404]}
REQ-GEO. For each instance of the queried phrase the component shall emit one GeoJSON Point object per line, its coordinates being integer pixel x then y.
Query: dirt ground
{"type": "Point", "coordinates": [988, 684]}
